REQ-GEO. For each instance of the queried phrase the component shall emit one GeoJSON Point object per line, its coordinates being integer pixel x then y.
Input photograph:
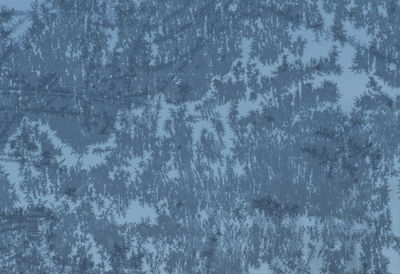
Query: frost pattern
{"type": "Point", "coordinates": [200, 137]}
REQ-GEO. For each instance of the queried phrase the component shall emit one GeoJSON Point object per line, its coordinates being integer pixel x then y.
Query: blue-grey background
{"type": "Point", "coordinates": [199, 136]}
